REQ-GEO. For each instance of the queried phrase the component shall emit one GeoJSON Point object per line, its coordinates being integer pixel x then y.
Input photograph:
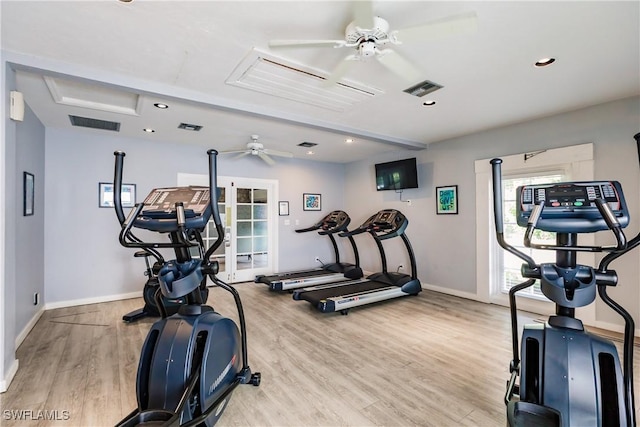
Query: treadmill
{"type": "Point", "coordinates": [335, 222]}
{"type": "Point", "coordinates": [386, 224]}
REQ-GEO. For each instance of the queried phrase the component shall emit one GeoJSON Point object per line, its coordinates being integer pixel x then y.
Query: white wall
{"type": "Point", "coordinates": [84, 259]}
{"type": "Point", "coordinates": [445, 244]}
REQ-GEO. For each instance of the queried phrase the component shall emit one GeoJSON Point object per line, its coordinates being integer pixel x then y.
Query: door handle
{"type": "Point", "coordinates": [227, 237]}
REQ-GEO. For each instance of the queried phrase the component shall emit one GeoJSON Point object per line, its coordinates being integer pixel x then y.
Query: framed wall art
{"type": "Point", "coordinates": [105, 195]}
{"type": "Point", "coordinates": [311, 202]}
{"type": "Point", "coordinates": [28, 188]}
{"type": "Point", "coordinates": [283, 208]}
{"type": "Point", "coordinates": [447, 200]}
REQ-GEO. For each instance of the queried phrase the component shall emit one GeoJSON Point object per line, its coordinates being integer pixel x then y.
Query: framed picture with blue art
{"type": "Point", "coordinates": [447, 199]}
{"type": "Point", "coordinates": [311, 202]}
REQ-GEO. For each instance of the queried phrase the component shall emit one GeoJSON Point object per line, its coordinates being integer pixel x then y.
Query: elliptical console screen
{"type": "Point", "coordinates": [570, 206]}
{"type": "Point", "coordinates": [161, 202]}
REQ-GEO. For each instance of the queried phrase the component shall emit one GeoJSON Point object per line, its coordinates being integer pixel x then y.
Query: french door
{"type": "Point", "coordinates": [247, 211]}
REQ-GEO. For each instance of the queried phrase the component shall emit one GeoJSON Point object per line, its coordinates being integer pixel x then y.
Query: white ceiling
{"type": "Point", "coordinates": [183, 52]}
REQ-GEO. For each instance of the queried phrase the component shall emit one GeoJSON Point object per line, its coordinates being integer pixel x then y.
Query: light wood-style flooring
{"type": "Point", "coordinates": [430, 360]}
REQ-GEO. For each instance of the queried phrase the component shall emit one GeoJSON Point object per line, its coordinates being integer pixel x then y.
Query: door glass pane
{"type": "Point", "coordinates": [244, 228]}
{"type": "Point", "coordinates": [244, 262]}
{"type": "Point", "coordinates": [244, 244]}
{"type": "Point", "coordinates": [243, 212]}
{"type": "Point", "coordinates": [259, 228]}
{"type": "Point", "coordinates": [259, 195]}
{"type": "Point", "coordinates": [260, 244]}
{"type": "Point", "coordinates": [221, 195]}
{"type": "Point", "coordinates": [260, 212]}
{"type": "Point", "coordinates": [244, 195]}
{"type": "Point", "coordinates": [260, 260]}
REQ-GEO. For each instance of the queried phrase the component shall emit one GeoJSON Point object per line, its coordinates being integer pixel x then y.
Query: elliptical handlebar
{"type": "Point", "coordinates": [496, 173]}
{"type": "Point", "coordinates": [213, 200]}
{"type": "Point", "coordinates": [117, 185]}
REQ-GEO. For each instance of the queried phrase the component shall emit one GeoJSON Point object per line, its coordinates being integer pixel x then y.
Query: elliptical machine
{"type": "Point", "coordinates": [567, 376]}
{"type": "Point", "coordinates": [192, 361]}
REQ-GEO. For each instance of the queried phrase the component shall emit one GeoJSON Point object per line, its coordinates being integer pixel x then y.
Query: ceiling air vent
{"type": "Point", "coordinates": [307, 144]}
{"type": "Point", "coordinates": [187, 126]}
{"type": "Point", "coordinates": [423, 88]}
{"type": "Point", "coordinates": [87, 122]}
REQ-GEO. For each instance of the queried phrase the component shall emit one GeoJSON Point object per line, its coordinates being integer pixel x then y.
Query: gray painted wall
{"type": "Point", "coordinates": [83, 256]}
{"type": "Point", "coordinates": [445, 244]}
{"type": "Point", "coordinates": [8, 227]}
{"type": "Point", "coordinates": [30, 232]}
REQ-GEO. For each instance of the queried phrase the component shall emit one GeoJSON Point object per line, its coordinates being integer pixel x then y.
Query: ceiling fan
{"type": "Point", "coordinates": [367, 34]}
{"type": "Point", "coordinates": [256, 148]}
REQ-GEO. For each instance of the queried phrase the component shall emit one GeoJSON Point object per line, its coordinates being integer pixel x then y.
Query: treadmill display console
{"type": "Point", "coordinates": [390, 222]}
{"type": "Point", "coordinates": [570, 207]}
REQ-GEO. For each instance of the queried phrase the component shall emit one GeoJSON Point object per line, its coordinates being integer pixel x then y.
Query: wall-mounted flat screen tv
{"type": "Point", "coordinates": [397, 175]}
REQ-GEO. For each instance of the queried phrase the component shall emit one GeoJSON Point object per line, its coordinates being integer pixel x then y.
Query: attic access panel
{"type": "Point", "coordinates": [269, 74]}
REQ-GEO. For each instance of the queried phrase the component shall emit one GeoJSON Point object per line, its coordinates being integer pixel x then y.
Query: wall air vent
{"type": "Point", "coordinates": [187, 126]}
{"type": "Point", "coordinates": [307, 144]}
{"type": "Point", "coordinates": [423, 88]}
{"type": "Point", "coordinates": [262, 72]}
{"type": "Point", "coordinates": [87, 122]}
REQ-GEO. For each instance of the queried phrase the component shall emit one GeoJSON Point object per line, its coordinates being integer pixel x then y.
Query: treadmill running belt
{"type": "Point", "coordinates": [314, 297]}
{"type": "Point", "coordinates": [288, 276]}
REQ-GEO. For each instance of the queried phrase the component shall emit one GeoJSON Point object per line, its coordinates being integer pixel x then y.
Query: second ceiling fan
{"type": "Point", "coordinates": [256, 148]}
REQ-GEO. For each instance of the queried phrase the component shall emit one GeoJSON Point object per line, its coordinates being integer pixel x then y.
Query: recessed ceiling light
{"type": "Point", "coordinates": [161, 105]}
{"type": "Point", "coordinates": [148, 130]}
{"type": "Point", "coordinates": [429, 103]}
{"type": "Point", "coordinates": [310, 153]}
{"type": "Point", "coordinates": [544, 62]}
{"type": "Point", "coordinates": [349, 140]}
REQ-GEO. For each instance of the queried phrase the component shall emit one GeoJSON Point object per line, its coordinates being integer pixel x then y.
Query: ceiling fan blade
{"type": "Point", "coordinates": [449, 26]}
{"type": "Point", "coordinates": [340, 70]}
{"type": "Point", "coordinates": [363, 14]}
{"type": "Point", "coordinates": [233, 151]}
{"type": "Point", "coordinates": [242, 154]}
{"type": "Point", "coordinates": [306, 43]}
{"type": "Point", "coordinates": [400, 66]}
{"type": "Point", "coordinates": [266, 158]}
{"type": "Point", "coordinates": [277, 153]}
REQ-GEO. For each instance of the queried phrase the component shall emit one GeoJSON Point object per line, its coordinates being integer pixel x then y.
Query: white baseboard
{"type": "Point", "coordinates": [6, 381]}
{"type": "Point", "coordinates": [612, 327]}
{"type": "Point", "coordinates": [95, 300]}
{"type": "Point", "coordinates": [454, 292]}
{"type": "Point", "coordinates": [25, 331]}
{"type": "Point", "coordinates": [523, 306]}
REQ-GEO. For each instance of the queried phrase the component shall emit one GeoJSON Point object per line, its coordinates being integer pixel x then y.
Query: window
{"type": "Point", "coordinates": [508, 265]}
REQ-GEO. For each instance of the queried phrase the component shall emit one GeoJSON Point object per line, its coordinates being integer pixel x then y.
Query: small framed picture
{"type": "Point", "coordinates": [311, 202]}
{"type": "Point", "coordinates": [447, 200]}
{"type": "Point", "coordinates": [27, 193]}
{"type": "Point", "coordinates": [283, 208]}
{"type": "Point", "coordinates": [105, 194]}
